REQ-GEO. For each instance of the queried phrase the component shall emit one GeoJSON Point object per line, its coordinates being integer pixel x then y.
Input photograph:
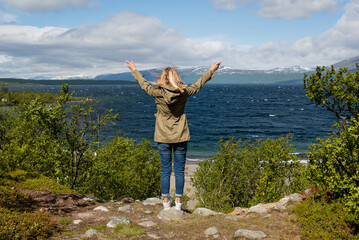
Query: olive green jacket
{"type": "Point", "coordinates": [171, 122]}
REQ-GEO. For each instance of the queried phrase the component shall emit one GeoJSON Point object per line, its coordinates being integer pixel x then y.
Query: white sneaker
{"type": "Point", "coordinates": [167, 205]}
{"type": "Point", "coordinates": [178, 206]}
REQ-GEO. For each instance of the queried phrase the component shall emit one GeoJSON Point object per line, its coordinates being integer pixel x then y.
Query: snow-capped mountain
{"type": "Point", "coordinates": [283, 74]}
{"type": "Point", "coordinates": [197, 71]}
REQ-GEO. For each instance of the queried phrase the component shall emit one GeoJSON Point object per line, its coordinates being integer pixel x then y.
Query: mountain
{"type": "Point", "coordinates": [223, 75]}
{"type": "Point", "coordinates": [348, 63]}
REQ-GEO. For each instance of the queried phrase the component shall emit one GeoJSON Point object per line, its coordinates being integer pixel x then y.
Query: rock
{"type": "Point", "coordinates": [267, 205]}
{"type": "Point", "coordinates": [257, 209]}
{"type": "Point", "coordinates": [152, 235]}
{"type": "Point", "coordinates": [251, 234]}
{"type": "Point", "coordinates": [118, 221]}
{"type": "Point", "coordinates": [146, 218]}
{"type": "Point", "coordinates": [295, 197]}
{"type": "Point", "coordinates": [212, 231]}
{"type": "Point", "coordinates": [267, 216]}
{"type": "Point", "coordinates": [170, 214]}
{"type": "Point", "coordinates": [147, 224]}
{"type": "Point", "coordinates": [126, 208]}
{"type": "Point", "coordinates": [205, 212]}
{"type": "Point", "coordinates": [147, 211]}
{"type": "Point", "coordinates": [284, 200]}
{"type": "Point", "coordinates": [77, 221]}
{"type": "Point", "coordinates": [127, 200]}
{"type": "Point", "coordinates": [237, 211]}
{"type": "Point", "coordinates": [152, 201]}
{"type": "Point", "coordinates": [91, 232]}
{"type": "Point", "coordinates": [91, 199]}
{"type": "Point", "coordinates": [279, 206]}
{"type": "Point", "coordinates": [101, 208]}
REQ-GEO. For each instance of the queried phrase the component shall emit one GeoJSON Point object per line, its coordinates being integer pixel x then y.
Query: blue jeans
{"type": "Point", "coordinates": [179, 151]}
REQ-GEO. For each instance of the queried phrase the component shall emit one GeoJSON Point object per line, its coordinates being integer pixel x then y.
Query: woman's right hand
{"type": "Point", "coordinates": [131, 65]}
{"type": "Point", "coordinates": [215, 66]}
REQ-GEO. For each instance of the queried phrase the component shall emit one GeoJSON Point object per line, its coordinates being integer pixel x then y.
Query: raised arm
{"type": "Point", "coordinates": [147, 87]}
{"type": "Point", "coordinates": [195, 87]}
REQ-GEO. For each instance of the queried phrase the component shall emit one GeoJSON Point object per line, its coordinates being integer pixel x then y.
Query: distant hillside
{"type": "Point", "coordinates": [16, 82]}
{"type": "Point", "coordinates": [348, 63]}
{"type": "Point", "coordinates": [289, 75]}
{"type": "Point", "coordinates": [224, 75]}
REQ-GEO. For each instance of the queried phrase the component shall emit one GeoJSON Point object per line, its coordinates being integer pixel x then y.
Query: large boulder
{"type": "Point", "coordinates": [119, 221]}
{"type": "Point", "coordinates": [251, 234]}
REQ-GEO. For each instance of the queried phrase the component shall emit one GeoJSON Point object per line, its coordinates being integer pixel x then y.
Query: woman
{"type": "Point", "coordinates": [171, 130]}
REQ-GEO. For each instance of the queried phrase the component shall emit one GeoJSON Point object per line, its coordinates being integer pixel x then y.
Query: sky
{"type": "Point", "coordinates": [85, 38]}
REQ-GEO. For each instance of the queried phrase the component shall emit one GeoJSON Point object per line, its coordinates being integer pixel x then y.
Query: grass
{"type": "Point", "coordinates": [33, 181]}
{"type": "Point", "coordinates": [15, 98]}
{"type": "Point", "coordinates": [99, 228]}
{"type": "Point", "coordinates": [129, 230]}
{"type": "Point", "coordinates": [64, 221]}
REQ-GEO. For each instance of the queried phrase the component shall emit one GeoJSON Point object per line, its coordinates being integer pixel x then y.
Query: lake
{"type": "Point", "coordinates": [249, 112]}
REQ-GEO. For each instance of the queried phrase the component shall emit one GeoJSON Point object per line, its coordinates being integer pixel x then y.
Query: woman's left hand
{"type": "Point", "coordinates": [131, 65]}
{"type": "Point", "coordinates": [215, 66]}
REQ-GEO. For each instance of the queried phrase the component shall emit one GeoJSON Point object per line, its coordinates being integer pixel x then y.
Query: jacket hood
{"type": "Point", "coordinates": [171, 95]}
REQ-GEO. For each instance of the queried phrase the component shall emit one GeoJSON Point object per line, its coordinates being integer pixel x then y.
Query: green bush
{"type": "Point", "coordinates": [244, 174]}
{"type": "Point", "coordinates": [325, 219]}
{"type": "Point", "coordinates": [24, 225]}
{"type": "Point", "coordinates": [124, 168]}
{"type": "Point", "coordinates": [54, 140]}
{"type": "Point", "coordinates": [334, 164]}
{"type": "Point", "coordinates": [14, 200]}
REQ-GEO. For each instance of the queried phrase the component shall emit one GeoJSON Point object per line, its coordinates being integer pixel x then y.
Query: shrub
{"type": "Point", "coordinates": [244, 174]}
{"type": "Point", "coordinates": [13, 200]}
{"type": "Point", "coordinates": [334, 164]}
{"type": "Point", "coordinates": [124, 168]}
{"type": "Point", "coordinates": [23, 225]}
{"type": "Point", "coordinates": [53, 140]}
{"type": "Point", "coordinates": [325, 219]}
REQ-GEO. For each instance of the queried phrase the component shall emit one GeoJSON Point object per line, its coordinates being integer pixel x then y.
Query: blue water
{"type": "Point", "coordinates": [249, 112]}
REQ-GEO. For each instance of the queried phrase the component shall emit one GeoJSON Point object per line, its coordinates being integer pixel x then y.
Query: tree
{"type": "Point", "coordinates": [57, 140]}
{"type": "Point", "coordinates": [336, 90]}
{"type": "Point", "coordinates": [334, 163]}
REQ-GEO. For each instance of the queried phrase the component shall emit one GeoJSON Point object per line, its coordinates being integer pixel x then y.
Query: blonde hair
{"type": "Point", "coordinates": [171, 78]}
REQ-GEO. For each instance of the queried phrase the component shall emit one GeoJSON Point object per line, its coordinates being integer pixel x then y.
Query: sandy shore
{"type": "Point", "coordinates": [188, 188]}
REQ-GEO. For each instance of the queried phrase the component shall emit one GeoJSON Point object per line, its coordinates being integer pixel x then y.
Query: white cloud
{"type": "Point", "coordinates": [7, 18]}
{"type": "Point", "coordinates": [292, 9]}
{"type": "Point", "coordinates": [99, 48]}
{"type": "Point", "coordinates": [45, 5]}
{"type": "Point", "coordinates": [27, 51]}
{"type": "Point", "coordinates": [336, 44]}
{"type": "Point", "coordinates": [226, 4]}
{"type": "Point", "coordinates": [282, 9]}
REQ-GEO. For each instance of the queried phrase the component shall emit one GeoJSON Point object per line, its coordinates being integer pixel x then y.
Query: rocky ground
{"type": "Point", "coordinates": [82, 217]}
